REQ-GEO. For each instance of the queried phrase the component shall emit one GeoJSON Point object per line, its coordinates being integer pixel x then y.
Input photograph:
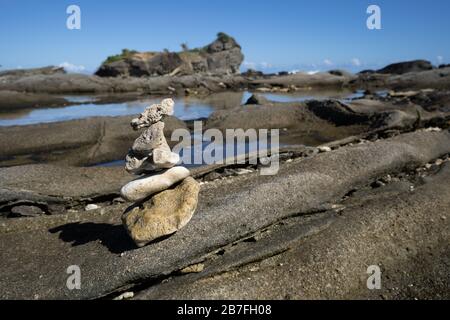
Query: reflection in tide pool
{"type": "Point", "coordinates": [300, 96]}
{"type": "Point", "coordinates": [186, 108]}
{"type": "Point", "coordinates": [190, 153]}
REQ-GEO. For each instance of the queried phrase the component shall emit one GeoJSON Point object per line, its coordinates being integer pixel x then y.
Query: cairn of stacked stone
{"type": "Point", "coordinates": [165, 196]}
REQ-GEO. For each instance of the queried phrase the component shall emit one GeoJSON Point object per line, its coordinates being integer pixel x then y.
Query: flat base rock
{"type": "Point", "coordinates": [164, 214]}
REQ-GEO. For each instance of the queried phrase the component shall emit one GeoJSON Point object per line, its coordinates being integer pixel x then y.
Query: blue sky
{"type": "Point", "coordinates": [274, 34]}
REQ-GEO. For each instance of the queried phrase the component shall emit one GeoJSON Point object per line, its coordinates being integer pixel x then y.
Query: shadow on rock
{"type": "Point", "coordinates": [114, 237]}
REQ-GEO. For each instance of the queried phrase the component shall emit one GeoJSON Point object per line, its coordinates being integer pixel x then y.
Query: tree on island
{"type": "Point", "coordinates": [184, 46]}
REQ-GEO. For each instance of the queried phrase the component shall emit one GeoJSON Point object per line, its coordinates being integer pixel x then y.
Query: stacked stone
{"type": "Point", "coordinates": [157, 212]}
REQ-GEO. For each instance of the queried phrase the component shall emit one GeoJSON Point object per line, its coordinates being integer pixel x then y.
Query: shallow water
{"type": "Point", "coordinates": [307, 95]}
{"type": "Point", "coordinates": [199, 153]}
{"type": "Point", "coordinates": [186, 108]}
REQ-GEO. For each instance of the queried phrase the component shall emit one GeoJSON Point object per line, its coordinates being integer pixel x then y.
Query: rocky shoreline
{"type": "Point", "coordinates": [103, 139]}
{"type": "Point", "coordinates": [410, 171]}
{"type": "Point", "coordinates": [55, 81]}
{"type": "Point", "coordinates": [362, 181]}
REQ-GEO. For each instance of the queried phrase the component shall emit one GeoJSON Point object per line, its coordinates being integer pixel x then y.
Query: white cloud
{"type": "Point", "coordinates": [328, 62]}
{"type": "Point", "coordinates": [313, 72]}
{"type": "Point", "coordinates": [256, 65]}
{"type": "Point", "coordinates": [440, 59]}
{"type": "Point", "coordinates": [356, 62]}
{"type": "Point", "coordinates": [69, 67]}
{"type": "Point", "coordinates": [266, 65]}
{"type": "Point", "coordinates": [249, 64]}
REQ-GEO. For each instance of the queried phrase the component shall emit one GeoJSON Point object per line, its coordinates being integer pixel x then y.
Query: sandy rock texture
{"type": "Point", "coordinates": [164, 214]}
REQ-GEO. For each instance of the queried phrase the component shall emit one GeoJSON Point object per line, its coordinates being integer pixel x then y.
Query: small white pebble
{"type": "Point", "coordinates": [433, 129]}
{"type": "Point", "coordinates": [91, 206]}
{"type": "Point", "coordinates": [243, 171]}
{"type": "Point", "coordinates": [324, 149]}
{"type": "Point", "coordinates": [125, 295]}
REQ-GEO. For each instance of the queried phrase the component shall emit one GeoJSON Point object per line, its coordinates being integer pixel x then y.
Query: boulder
{"type": "Point", "coordinates": [367, 71]}
{"type": "Point", "coordinates": [405, 67]}
{"type": "Point", "coordinates": [26, 211]}
{"type": "Point", "coordinates": [257, 99]}
{"type": "Point", "coordinates": [225, 62]}
{"type": "Point", "coordinates": [340, 73]}
{"type": "Point", "coordinates": [166, 213]}
{"type": "Point", "coordinates": [251, 73]}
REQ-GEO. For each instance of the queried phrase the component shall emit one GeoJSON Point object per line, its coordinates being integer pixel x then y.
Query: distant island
{"type": "Point", "coordinates": [222, 56]}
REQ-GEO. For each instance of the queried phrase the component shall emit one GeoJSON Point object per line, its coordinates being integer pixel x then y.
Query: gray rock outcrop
{"type": "Point", "coordinates": [408, 66]}
{"type": "Point", "coordinates": [222, 56]}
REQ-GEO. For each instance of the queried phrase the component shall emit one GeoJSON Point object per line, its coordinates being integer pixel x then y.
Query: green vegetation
{"type": "Point", "coordinates": [199, 50]}
{"type": "Point", "coordinates": [126, 53]}
{"type": "Point", "coordinates": [184, 46]}
{"type": "Point", "coordinates": [222, 36]}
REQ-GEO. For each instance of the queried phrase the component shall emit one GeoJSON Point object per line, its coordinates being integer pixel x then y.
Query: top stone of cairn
{"type": "Point", "coordinates": [150, 150]}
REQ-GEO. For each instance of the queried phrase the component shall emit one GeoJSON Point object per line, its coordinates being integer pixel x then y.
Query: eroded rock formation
{"type": "Point", "coordinates": [222, 56]}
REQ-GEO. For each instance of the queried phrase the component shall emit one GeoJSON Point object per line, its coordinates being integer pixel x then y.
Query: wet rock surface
{"type": "Point", "coordinates": [327, 255]}
{"type": "Point", "coordinates": [13, 101]}
{"type": "Point", "coordinates": [76, 142]}
{"type": "Point", "coordinates": [245, 227]}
